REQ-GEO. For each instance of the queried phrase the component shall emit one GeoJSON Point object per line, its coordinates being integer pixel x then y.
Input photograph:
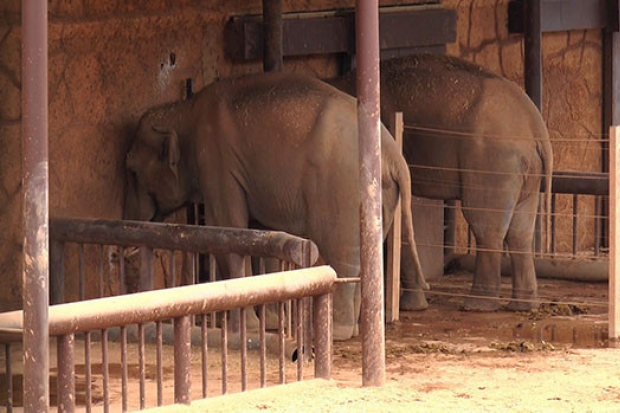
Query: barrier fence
{"type": "Point", "coordinates": [187, 318]}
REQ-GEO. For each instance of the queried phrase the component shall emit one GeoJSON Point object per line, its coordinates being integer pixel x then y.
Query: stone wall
{"type": "Point", "coordinates": [111, 59]}
{"type": "Point", "coordinates": [572, 94]}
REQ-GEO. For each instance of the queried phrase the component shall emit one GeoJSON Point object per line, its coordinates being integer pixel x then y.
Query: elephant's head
{"type": "Point", "coordinates": [155, 185]}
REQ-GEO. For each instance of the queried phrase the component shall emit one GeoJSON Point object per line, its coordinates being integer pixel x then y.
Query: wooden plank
{"type": "Point", "coordinates": [564, 15]}
{"type": "Point", "coordinates": [309, 33]}
{"type": "Point", "coordinates": [392, 287]}
{"type": "Point", "coordinates": [614, 234]}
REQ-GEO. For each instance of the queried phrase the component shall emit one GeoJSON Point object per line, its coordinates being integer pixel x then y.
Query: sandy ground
{"type": "Point", "coordinates": [443, 359]}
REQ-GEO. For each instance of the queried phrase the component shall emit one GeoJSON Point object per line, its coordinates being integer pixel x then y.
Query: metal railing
{"type": "Point", "coordinates": [188, 308]}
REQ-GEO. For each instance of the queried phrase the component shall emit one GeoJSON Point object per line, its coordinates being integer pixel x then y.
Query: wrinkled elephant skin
{"type": "Point", "coordinates": [278, 149]}
{"type": "Point", "coordinates": [476, 137]}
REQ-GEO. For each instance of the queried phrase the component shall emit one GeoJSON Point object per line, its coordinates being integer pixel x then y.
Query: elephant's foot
{"type": "Point", "coordinates": [413, 300]}
{"type": "Point", "coordinates": [525, 305]}
{"type": "Point", "coordinates": [271, 317]}
{"type": "Point", "coordinates": [251, 319]}
{"type": "Point", "coordinates": [481, 304]}
{"type": "Point", "coordinates": [344, 332]}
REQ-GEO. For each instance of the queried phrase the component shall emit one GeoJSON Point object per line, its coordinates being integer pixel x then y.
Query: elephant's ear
{"type": "Point", "coordinates": [170, 151]}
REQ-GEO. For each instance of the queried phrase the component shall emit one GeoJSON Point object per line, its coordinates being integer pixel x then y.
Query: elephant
{"type": "Point", "coordinates": [278, 149]}
{"type": "Point", "coordinates": [476, 137]}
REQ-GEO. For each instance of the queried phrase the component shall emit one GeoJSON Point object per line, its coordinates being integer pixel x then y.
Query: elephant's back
{"type": "Point", "coordinates": [288, 105]}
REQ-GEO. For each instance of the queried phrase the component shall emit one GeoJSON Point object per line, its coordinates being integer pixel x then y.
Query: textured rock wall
{"type": "Point", "coordinates": [111, 59]}
{"type": "Point", "coordinates": [572, 94]}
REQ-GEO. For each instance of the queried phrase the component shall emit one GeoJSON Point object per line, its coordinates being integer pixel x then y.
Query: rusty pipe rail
{"type": "Point", "coordinates": [189, 238]}
{"type": "Point", "coordinates": [158, 305]}
{"type": "Point", "coordinates": [180, 304]}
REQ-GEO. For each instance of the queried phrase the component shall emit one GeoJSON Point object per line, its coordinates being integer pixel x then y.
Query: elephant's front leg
{"type": "Point", "coordinates": [347, 299]}
{"type": "Point", "coordinates": [236, 266]}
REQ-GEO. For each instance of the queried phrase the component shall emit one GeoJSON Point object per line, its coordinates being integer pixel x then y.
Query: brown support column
{"type": "Point", "coordinates": [35, 206]}
{"type": "Point", "coordinates": [272, 36]}
{"type": "Point", "coordinates": [611, 95]}
{"type": "Point", "coordinates": [368, 113]}
{"type": "Point", "coordinates": [532, 37]}
{"type": "Point", "coordinates": [533, 51]}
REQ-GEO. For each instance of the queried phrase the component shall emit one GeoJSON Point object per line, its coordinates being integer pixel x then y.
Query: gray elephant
{"type": "Point", "coordinates": [476, 137]}
{"type": "Point", "coordinates": [279, 149]}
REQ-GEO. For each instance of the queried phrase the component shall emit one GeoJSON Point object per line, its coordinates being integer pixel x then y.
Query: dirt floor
{"type": "Point", "coordinates": [553, 360]}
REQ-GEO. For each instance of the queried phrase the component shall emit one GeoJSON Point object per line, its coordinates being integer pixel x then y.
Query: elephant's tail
{"type": "Point", "coordinates": [403, 179]}
{"type": "Point", "coordinates": [543, 146]}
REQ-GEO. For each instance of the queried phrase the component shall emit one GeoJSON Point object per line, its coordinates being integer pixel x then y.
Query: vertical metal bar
{"type": "Point", "coordinates": [105, 371]}
{"type": "Point", "coordinates": [368, 113]}
{"type": "Point", "coordinates": [100, 271]}
{"type": "Point", "coordinates": [124, 369]}
{"type": "Point", "coordinates": [35, 165]}
{"type": "Point", "coordinates": [66, 373]}
{"type": "Point", "coordinates": [212, 277]}
{"type": "Point", "coordinates": [160, 362]}
{"type": "Point", "coordinates": [81, 271]}
{"type": "Point", "coordinates": [323, 336]}
{"type": "Point", "coordinates": [57, 272]}
{"type": "Point", "coordinates": [272, 35]}
{"type": "Point", "coordinates": [575, 224]}
{"type": "Point", "coordinates": [243, 339]}
{"type": "Point", "coordinates": [172, 269]}
{"type": "Point", "coordinates": [532, 37]}
{"type": "Point", "coordinates": [122, 288]}
{"type": "Point", "coordinates": [553, 218]}
{"type": "Point", "coordinates": [182, 360]}
{"type": "Point", "coordinates": [88, 373]}
{"type": "Point", "coordinates": [300, 340]}
{"type": "Point", "coordinates": [146, 268]}
{"type": "Point", "coordinates": [204, 353]}
{"type": "Point", "coordinates": [224, 352]}
{"type": "Point", "coordinates": [598, 202]}
{"type": "Point", "coordinates": [308, 333]}
{"type": "Point", "coordinates": [614, 236]}
{"type": "Point", "coordinates": [262, 344]}
{"type": "Point", "coordinates": [142, 365]}
{"type": "Point", "coordinates": [9, 377]}
{"type": "Point", "coordinates": [281, 348]}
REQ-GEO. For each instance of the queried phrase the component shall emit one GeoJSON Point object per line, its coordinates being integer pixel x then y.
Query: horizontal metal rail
{"type": "Point", "coordinates": [189, 238]}
{"type": "Point", "coordinates": [102, 313]}
{"type": "Point", "coordinates": [579, 183]}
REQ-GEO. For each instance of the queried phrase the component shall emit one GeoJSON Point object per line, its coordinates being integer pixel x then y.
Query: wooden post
{"type": "Point", "coordinates": [614, 234]}
{"type": "Point", "coordinates": [392, 286]}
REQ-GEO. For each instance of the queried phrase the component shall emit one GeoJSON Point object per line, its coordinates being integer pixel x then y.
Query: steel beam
{"type": "Point", "coordinates": [369, 127]}
{"type": "Point", "coordinates": [36, 205]}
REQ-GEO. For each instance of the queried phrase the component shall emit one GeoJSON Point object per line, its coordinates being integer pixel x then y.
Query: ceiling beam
{"type": "Point", "coordinates": [566, 15]}
{"type": "Point", "coordinates": [307, 34]}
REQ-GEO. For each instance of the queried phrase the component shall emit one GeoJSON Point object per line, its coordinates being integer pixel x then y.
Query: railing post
{"type": "Point", "coordinates": [614, 237]}
{"type": "Point", "coordinates": [57, 272]}
{"type": "Point", "coordinates": [66, 373]}
{"type": "Point", "coordinates": [182, 360]}
{"type": "Point", "coordinates": [322, 307]}
{"type": "Point", "coordinates": [146, 268]}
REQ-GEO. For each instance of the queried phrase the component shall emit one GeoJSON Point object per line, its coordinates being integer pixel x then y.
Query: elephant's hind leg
{"type": "Point", "coordinates": [489, 223]}
{"type": "Point", "coordinates": [519, 241]}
